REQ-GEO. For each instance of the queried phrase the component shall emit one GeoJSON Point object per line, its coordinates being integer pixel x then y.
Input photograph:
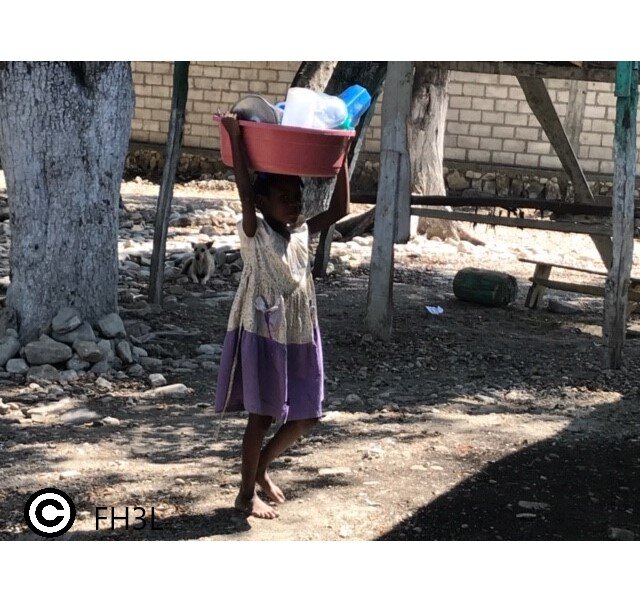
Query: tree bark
{"type": "Point", "coordinates": [64, 133]}
{"type": "Point", "coordinates": [427, 125]}
{"type": "Point", "coordinates": [333, 78]}
{"type": "Point", "coordinates": [326, 76]}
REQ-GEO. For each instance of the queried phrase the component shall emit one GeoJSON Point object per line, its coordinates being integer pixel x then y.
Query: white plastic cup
{"type": "Point", "coordinates": [300, 108]}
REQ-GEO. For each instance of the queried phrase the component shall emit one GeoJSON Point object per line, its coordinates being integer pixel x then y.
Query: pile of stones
{"type": "Point", "coordinates": [70, 348]}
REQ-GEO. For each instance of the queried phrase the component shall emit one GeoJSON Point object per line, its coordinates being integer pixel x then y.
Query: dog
{"type": "Point", "coordinates": [201, 265]}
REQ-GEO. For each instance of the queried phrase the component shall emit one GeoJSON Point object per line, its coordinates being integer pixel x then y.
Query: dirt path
{"type": "Point", "coordinates": [477, 424]}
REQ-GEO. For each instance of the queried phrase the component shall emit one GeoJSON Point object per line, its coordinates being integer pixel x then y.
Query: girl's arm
{"type": "Point", "coordinates": [339, 206]}
{"type": "Point", "coordinates": [243, 182]}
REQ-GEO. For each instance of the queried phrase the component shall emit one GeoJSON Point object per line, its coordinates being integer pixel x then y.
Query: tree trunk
{"type": "Point", "coordinates": [64, 133]}
{"type": "Point", "coordinates": [333, 78]}
{"type": "Point", "coordinates": [314, 75]}
{"type": "Point", "coordinates": [326, 76]}
{"type": "Point", "coordinates": [427, 124]}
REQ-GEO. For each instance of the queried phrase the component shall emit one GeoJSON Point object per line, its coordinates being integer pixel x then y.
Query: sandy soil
{"type": "Point", "coordinates": [480, 423]}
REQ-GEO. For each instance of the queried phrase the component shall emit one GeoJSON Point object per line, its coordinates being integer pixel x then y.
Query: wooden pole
{"type": "Point", "coordinates": [624, 157]}
{"type": "Point", "coordinates": [394, 181]}
{"type": "Point", "coordinates": [540, 102]}
{"type": "Point", "coordinates": [172, 156]}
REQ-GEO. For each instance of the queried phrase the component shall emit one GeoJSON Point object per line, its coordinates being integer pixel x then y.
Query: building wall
{"type": "Point", "coordinates": [488, 121]}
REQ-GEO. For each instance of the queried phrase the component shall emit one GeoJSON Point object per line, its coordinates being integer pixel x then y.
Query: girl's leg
{"type": "Point", "coordinates": [286, 436]}
{"type": "Point", "coordinates": [247, 500]}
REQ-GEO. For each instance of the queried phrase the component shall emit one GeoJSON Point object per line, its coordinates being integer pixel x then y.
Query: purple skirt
{"type": "Point", "coordinates": [265, 377]}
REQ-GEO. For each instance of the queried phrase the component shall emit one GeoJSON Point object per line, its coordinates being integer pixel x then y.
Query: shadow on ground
{"type": "Point", "coordinates": [575, 486]}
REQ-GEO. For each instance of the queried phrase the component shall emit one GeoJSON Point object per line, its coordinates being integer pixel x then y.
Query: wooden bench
{"type": "Point", "coordinates": [541, 282]}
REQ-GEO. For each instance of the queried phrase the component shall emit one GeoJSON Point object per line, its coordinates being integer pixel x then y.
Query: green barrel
{"type": "Point", "coordinates": [496, 289]}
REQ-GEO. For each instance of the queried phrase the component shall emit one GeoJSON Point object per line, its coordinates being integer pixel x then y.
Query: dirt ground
{"type": "Point", "coordinates": [479, 423]}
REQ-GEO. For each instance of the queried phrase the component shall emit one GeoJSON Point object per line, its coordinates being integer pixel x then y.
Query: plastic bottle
{"type": "Point", "coordinates": [357, 100]}
{"type": "Point", "coordinates": [331, 111]}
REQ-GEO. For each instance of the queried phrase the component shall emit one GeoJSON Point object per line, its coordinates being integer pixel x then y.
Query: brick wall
{"type": "Point", "coordinates": [488, 121]}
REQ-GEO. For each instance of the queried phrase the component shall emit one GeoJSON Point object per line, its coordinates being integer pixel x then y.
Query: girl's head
{"type": "Point", "coordinates": [279, 196]}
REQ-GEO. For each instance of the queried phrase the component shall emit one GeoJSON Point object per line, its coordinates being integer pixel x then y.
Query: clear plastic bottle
{"type": "Point", "coordinates": [331, 111]}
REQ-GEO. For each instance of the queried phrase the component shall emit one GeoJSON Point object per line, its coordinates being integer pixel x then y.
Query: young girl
{"type": "Point", "coordinates": [271, 363]}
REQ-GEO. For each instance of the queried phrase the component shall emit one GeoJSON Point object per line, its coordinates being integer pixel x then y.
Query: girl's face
{"type": "Point", "coordinates": [284, 202]}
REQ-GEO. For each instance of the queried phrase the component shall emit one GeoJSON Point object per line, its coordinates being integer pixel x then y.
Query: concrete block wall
{"type": "Point", "coordinates": [488, 122]}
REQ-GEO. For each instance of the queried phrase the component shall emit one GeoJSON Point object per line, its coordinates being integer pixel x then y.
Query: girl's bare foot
{"type": "Point", "coordinates": [254, 506]}
{"type": "Point", "coordinates": [270, 489]}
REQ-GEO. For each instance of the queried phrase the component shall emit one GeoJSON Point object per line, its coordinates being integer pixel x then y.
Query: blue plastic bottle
{"type": "Point", "coordinates": [358, 100]}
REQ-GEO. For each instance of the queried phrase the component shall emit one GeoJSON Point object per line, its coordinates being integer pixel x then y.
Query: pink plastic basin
{"type": "Point", "coordinates": [289, 150]}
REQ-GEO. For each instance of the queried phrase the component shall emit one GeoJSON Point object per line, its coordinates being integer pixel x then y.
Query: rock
{"type": "Point", "coordinates": [123, 351]}
{"type": "Point", "coordinates": [621, 534]}
{"type": "Point", "coordinates": [353, 398]}
{"type": "Point", "coordinates": [157, 380]}
{"type": "Point", "coordinates": [137, 328]}
{"type": "Point", "coordinates": [151, 364]}
{"type": "Point", "coordinates": [502, 185]}
{"type": "Point", "coordinates": [489, 186]}
{"type": "Point", "coordinates": [104, 384]}
{"type": "Point", "coordinates": [136, 371]}
{"type": "Point", "coordinates": [55, 391]}
{"type": "Point", "coordinates": [456, 181]}
{"type": "Point", "coordinates": [66, 320]}
{"type": "Point", "coordinates": [9, 347]}
{"type": "Point", "coordinates": [419, 467]}
{"type": "Point", "coordinates": [4, 408]}
{"type": "Point", "coordinates": [68, 376]}
{"type": "Point", "coordinates": [180, 481]}
{"type": "Point", "coordinates": [42, 374]}
{"type": "Point", "coordinates": [79, 416]}
{"type": "Point", "coordinates": [516, 187]}
{"type": "Point", "coordinates": [17, 366]}
{"type": "Point", "coordinates": [139, 352]}
{"type": "Point", "coordinates": [526, 515]}
{"type": "Point", "coordinates": [334, 471]}
{"type": "Point", "coordinates": [8, 321]}
{"type": "Point", "coordinates": [47, 351]}
{"type": "Point", "coordinates": [84, 332]}
{"type": "Point", "coordinates": [210, 349]}
{"type": "Point", "coordinates": [111, 326]}
{"type": "Point", "coordinates": [110, 421]}
{"type": "Point", "coordinates": [552, 191]}
{"type": "Point", "coordinates": [56, 408]}
{"type": "Point", "coordinates": [557, 306]}
{"type": "Point", "coordinates": [75, 363]}
{"type": "Point", "coordinates": [102, 367]}
{"type": "Point", "coordinates": [532, 505]}
{"type": "Point", "coordinates": [177, 390]}
{"type": "Point", "coordinates": [88, 351]}
{"type": "Point", "coordinates": [68, 474]}
{"type": "Point", "coordinates": [534, 190]}
{"type": "Point", "coordinates": [107, 349]}
{"type": "Point", "coordinates": [373, 453]}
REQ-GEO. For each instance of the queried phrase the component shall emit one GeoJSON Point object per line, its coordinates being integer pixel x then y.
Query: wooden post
{"type": "Point", "coordinates": [624, 157]}
{"type": "Point", "coordinates": [394, 181]}
{"type": "Point", "coordinates": [172, 156]}
{"type": "Point", "coordinates": [575, 113]}
{"type": "Point", "coordinates": [540, 102]}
